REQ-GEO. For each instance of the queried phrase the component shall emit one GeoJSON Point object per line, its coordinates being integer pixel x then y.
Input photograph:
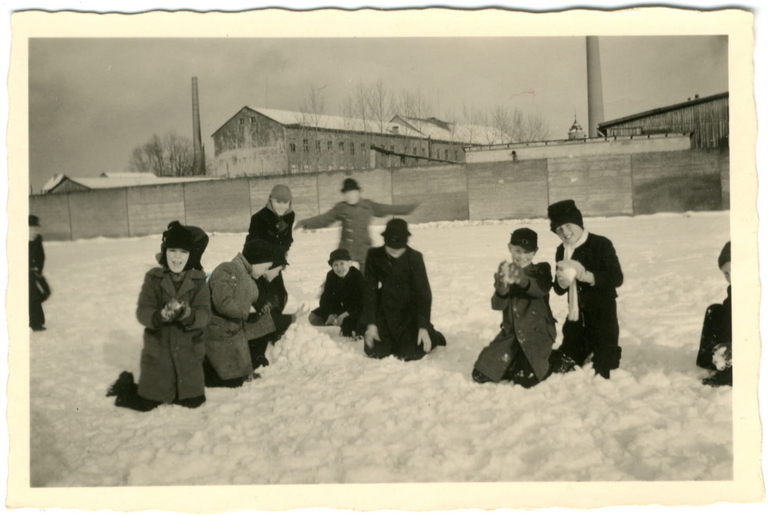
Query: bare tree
{"type": "Point", "coordinates": [169, 155]}
{"type": "Point", "coordinates": [380, 104]}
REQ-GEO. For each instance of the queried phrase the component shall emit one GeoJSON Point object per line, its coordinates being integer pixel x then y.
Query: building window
{"type": "Point", "coordinates": [293, 167]}
{"type": "Point", "coordinates": [306, 145]}
{"type": "Point", "coordinates": [293, 147]}
{"type": "Point", "coordinates": [362, 147]}
{"type": "Point", "coordinates": [330, 145]}
{"type": "Point", "coordinates": [456, 155]}
{"type": "Point", "coordinates": [341, 147]}
{"type": "Point", "coordinates": [352, 148]}
{"type": "Point", "coordinates": [423, 151]}
{"type": "Point", "coordinates": [445, 154]}
{"type": "Point", "coordinates": [242, 121]}
{"type": "Point", "coordinates": [414, 151]}
{"type": "Point", "coordinates": [318, 146]}
{"type": "Point", "coordinates": [392, 148]}
{"type": "Point", "coordinates": [253, 120]}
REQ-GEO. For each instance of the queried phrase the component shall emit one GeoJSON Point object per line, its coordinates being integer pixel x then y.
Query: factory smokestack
{"type": "Point", "coordinates": [594, 87]}
{"type": "Point", "coordinates": [198, 161]}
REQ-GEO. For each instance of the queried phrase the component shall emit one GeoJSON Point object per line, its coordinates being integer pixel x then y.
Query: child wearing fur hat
{"type": "Point", "coordinates": [716, 333]}
{"type": "Point", "coordinates": [174, 306]}
{"type": "Point", "coordinates": [588, 270]}
{"type": "Point", "coordinates": [398, 299]}
{"type": "Point", "coordinates": [341, 303]}
{"type": "Point", "coordinates": [199, 244]}
{"type": "Point", "coordinates": [355, 214]}
{"type": "Point", "coordinates": [521, 351]}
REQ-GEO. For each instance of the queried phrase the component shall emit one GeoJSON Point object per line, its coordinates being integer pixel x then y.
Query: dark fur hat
{"type": "Point", "coordinates": [564, 212]}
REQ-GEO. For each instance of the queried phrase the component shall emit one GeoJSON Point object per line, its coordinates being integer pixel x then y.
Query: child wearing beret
{"type": "Point", "coordinates": [588, 270]}
{"type": "Point", "coordinates": [716, 335]}
{"type": "Point", "coordinates": [341, 303]}
{"type": "Point", "coordinates": [521, 351]}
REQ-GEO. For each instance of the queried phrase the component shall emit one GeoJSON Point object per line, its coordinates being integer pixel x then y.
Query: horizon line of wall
{"type": "Point", "coordinates": [632, 183]}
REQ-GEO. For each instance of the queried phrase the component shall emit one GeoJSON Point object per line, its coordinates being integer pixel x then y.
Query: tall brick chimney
{"type": "Point", "coordinates": [594, 87]}
{"type": "Point", "coordinates": [198, 163]}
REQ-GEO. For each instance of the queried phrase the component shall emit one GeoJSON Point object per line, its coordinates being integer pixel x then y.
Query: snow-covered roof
{"type": "Point", "coordinates": [117, 181]}
{"type": "Point", "coordinates": [449, 131]}
{"type": "Point", "coordinates": [334, 122]}
{"type": "Point", "coordinates": [128, 174]}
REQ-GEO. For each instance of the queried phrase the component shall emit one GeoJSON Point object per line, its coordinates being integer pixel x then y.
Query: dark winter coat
{"type": "Point", "coordinates": [398, 300]}
{"type": "Point", "coordinates": [233, 291]}
{"type": "Point", "coordinates": [598, 256]}
{"type": "Point", "coordinates": [36, 254]}
{"type": "Point", "coordinates": [172, 358]}
{"type": "Point", "coordinates": [716, 330]}
{"type": "Point", "coordinates": [342, 295]}
{"type": "Point", "coordinates": [527, 319]}
{"type": "Point", "coordinates": [273, 228]}
{"type": "Point", "coordinates": [355, 220]}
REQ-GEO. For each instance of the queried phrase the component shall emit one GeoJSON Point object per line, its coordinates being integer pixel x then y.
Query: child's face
{"type": "Point", "coordinates": [726, 269]}
{"type": "Point", "coordinates": [569, 233]}
{"type": "Point", "coordinates": [272, 273]}
{"type": "Point", "coordinates": [177, 259]}
{"type": "Point", "coordinates": [280, 207]}
{"type": "Point", "coordinates": [520, 256]}
{"type": "Point", "coordinates": [341, 267]}
{"type": "Point", "coordinates": [258, 270]}
{"type": "Point", "coordinates": [352, 196]}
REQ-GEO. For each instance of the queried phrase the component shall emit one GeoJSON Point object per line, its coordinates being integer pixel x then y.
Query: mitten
{"type": "Point", "coordinates": [499, 279]}
{"type": "Point", "coordinates": [171, 310]}
{"type": "Point", "coordinates": [186, 311]}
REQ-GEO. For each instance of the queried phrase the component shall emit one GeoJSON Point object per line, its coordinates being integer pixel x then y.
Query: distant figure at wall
{"type": "Point", "coordinates": [38, 286]}
{"type": "Point", "coordinates": [355, 214]}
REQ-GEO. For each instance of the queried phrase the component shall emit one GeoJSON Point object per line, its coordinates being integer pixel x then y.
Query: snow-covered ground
{"type": "Point", "coordinates": [324, 413]}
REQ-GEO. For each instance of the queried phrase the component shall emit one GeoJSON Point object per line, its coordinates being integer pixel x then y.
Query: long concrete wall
{"type": "Point", "coordinates": [602, 185]}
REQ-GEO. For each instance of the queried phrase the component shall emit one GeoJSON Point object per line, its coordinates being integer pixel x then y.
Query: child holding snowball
{"type": "Point", "coordinates": [521, 351]}
{"type": "Point", "coordinates": [174, 307]}
{"type": "Point", "coordinates": [588, 270]}
{"type": "Point", "coordinates": [341, 303]}
{"type": "Point", "coordinates": [716, 333]}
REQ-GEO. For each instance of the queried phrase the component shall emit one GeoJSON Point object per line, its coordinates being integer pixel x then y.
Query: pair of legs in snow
{"type": "Point", "coordinates": [126, 393]}
{"type": "Point", "coordinates": [403, 344]}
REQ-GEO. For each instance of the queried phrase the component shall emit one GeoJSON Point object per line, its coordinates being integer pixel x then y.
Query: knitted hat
{"type": "Point", "coordinates": [725, 255]}
{"type": "Point", "coordinates": [350, 184]}
{"type": "Point", "coordinates": [396, 234]}
{"type": "Point", "coordinates": [525, 238]}
{"type": "Point", "coordinates": [34, 221]}
{"type": "Point", "coordinates": [564, 212]}
{"type": "Point", "coordinates": [281, 193]}
{"type": "Point", "coordinates": [339, 254]}
{"type": "Point", "coordinates": [177, 237]}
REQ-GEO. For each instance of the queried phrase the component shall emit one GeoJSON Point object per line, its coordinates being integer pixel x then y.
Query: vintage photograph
{"type": "Point", "coordinates": [337, 260]}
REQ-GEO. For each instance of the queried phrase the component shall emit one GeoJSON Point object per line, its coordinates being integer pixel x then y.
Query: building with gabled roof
{"type": "Point", "coordinates": [62, 183]}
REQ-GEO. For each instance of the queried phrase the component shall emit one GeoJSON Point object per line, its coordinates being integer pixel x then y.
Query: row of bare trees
{"type": "Point", "coordinates": [166, 155]}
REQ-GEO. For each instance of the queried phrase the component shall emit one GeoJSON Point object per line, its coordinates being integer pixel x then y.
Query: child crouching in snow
{"type": "Point", "coordinates": [716, 335]}
{"type": "Point", "coordinates": [341, 303]}
{"type": "Point", "coordinates": [522, 351]}
{"type": "Point", "coordinates": [174, 307]}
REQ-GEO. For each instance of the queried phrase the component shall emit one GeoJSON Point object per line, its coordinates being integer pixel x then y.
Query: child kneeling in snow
{"type": "Point", "coordinates": [174, 306]}
{"type": "Point", "coordinates": [398, 299]}
{"type": "Point", "coordinates": [522, 351]}
{"type": "Point", "coordinates": [716, 337]}
{"type": "Point", "coordinates": [341, 303]}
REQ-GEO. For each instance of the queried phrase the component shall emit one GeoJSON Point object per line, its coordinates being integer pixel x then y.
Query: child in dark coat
{"type": "Point", "coordinates": [355, 214]}
{"type": "Point", "coordinates": [174, 307]}
{"type": "Point", "coordinates": [716, 334]}
{"type": "Point", "coordinates": [274, 224]}
{"type": "Point", "coordinates": [589, 271]}
{"type": "Point", "coordinates": [341, 303]}
{"type": "Point", "coordinates": [521, 351]}
{"type": "Point", "coordinates": [398, 300]}
{"type": "Point", "coordinates": [38, 286]}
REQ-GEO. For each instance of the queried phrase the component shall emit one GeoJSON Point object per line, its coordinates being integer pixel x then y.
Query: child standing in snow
{"type": "Point", "coordinates": [38, 286]}
{"type": "Point", "coordinates": [355, 215]}
{"type": "Point", "coordinates": [174, 307]}
{"type": "Point", "coordinates": [341, 303]}
{"type": "Point", "coordinates": [716, 335]}
{"type": "Point", "coordinates": [589, 271]}
{"type": "Point", "coordinates": [521, 351]}
{"type": "Point", "coordinates": [398, 299]}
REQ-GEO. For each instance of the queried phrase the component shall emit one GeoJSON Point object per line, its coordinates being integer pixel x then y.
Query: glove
{"type": "Point", "coordinates": [186, 311]}
{"type": "Point", "coordinates": [171, 311]}
{"type": "Point", "coordinates": [514, 274]}
{"type": "Point", "coordinates": [331, 320]}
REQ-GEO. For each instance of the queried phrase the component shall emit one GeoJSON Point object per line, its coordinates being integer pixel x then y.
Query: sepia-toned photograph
{"type": "Point", "coordinates": [338, 260]}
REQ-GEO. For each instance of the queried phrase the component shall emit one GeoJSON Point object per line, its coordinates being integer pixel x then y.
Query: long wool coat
{"type": "Point", "coordinates": [598, 256]}
{"type": "Point", "coordinates": [172, 358]}
{"type": "Point", "coordinates": [527, 318]}
{"type": "Point", "coordinates": [355, 220]}
{"type": "Point", "coordinates": [273, 228]}
{"type": "Point", "coordinates": [398, 300]}
{"type": "Point", "coordinates": [233, 291]}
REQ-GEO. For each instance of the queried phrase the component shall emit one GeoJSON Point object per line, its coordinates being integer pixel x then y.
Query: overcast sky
{"type": "Point", "coordinates": [92, 101]}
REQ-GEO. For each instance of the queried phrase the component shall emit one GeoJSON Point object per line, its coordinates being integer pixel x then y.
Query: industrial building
{"type": "Point", "coordinates": [705, 119]}
{"type": "Point", "coordinates": [257, 142]}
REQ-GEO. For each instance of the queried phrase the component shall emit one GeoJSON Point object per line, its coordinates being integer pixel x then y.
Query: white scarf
{"type": "Point", "coordinates": [573, 293]}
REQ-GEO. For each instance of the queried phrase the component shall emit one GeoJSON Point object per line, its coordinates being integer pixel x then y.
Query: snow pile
{"type": "Point", "coordinates": [323, 412]}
